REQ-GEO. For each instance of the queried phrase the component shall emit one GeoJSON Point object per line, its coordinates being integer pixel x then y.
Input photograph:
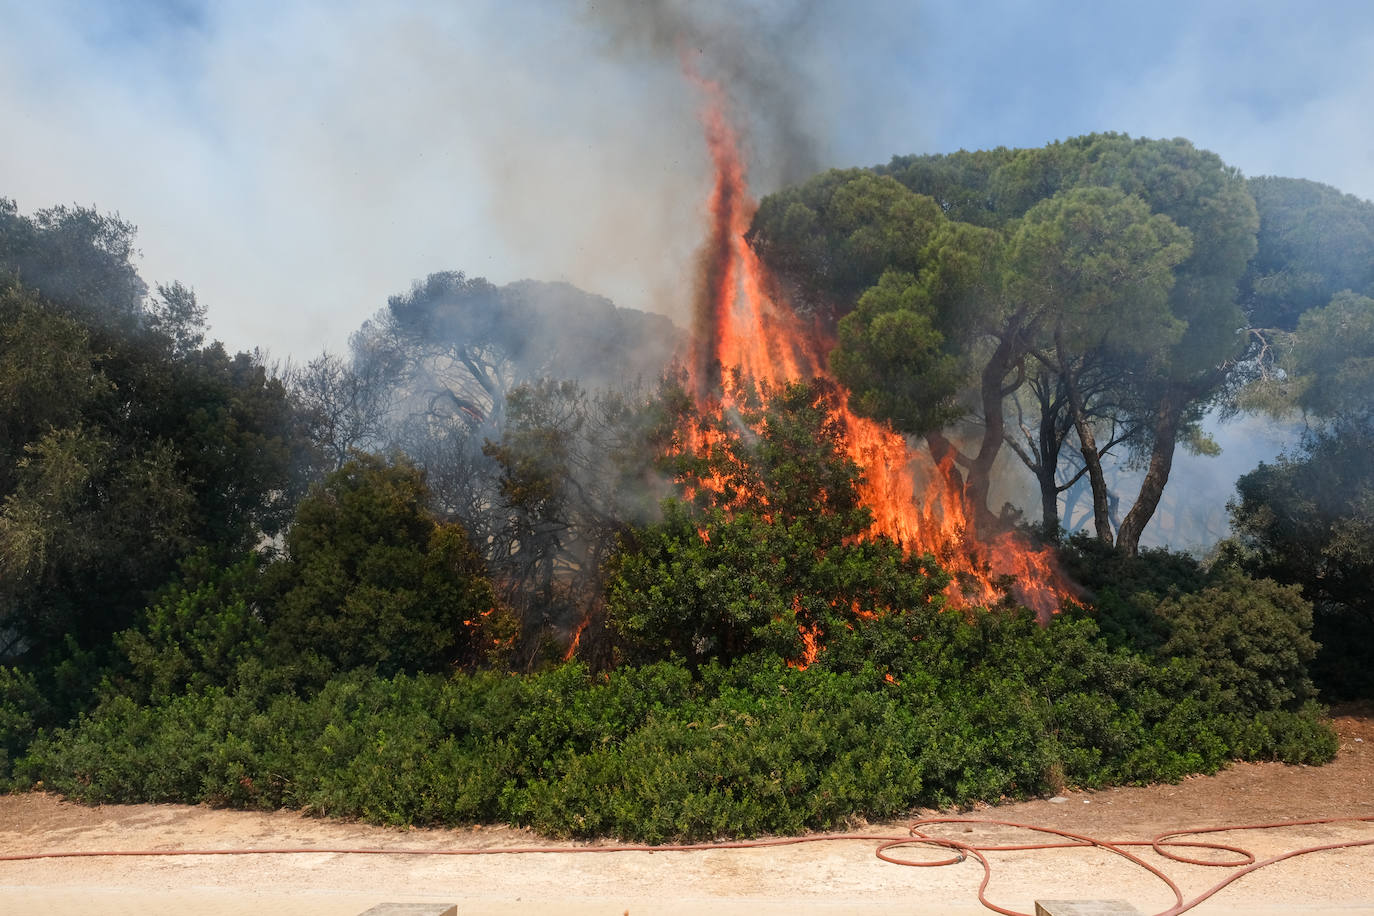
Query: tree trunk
{"type": "Point", "coordinates": [979, 481]}
{"type": "Point", "coordinates": [1087, 444]}
{"type": "Point", "coordinates": [1164, 426]}
{"type": "Point", "coordinates": [1051, 441]}
{"type": "Point", "coordinates": [1049, 503]}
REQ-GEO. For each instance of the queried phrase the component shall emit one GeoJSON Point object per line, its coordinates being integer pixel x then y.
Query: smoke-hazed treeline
{"type": "Point", "coordinates": [527, 407]}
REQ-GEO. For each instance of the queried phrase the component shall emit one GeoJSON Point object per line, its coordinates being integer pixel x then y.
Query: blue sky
{"type": "Point", "coordinates": [297, 161]}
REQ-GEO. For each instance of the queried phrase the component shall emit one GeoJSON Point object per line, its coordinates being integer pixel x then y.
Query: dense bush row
{"type": "Point", "coordinates": [990, 708]}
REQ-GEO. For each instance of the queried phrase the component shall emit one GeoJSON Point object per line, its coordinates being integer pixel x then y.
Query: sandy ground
{"type": "Point", "coordinates": [825, 877]}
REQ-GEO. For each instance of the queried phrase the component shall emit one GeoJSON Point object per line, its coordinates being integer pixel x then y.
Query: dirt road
{"type": "Point", "coordinates": [826, 877]}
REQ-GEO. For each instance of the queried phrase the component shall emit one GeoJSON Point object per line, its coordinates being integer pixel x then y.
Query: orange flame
{"type": "Point", "coordinates": [743, 322]}
{"type": "Point", "coordinates": [577, 639]}
{"type": "Point", "coordinates": [811, 645]}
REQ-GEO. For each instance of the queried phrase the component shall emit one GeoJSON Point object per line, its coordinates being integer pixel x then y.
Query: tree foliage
{"type": "Point", "coordinates": [198, 631]}
{"type": "Point", "coordinates": [948, 274]}
{"type": "Point", "coordinates": [1330, 364]}
{"type": "Point", "coordinates": [46, 377]}
{"type": "Point", "coordinates": [125, 443]}
{"type": "Point", "coordinates": [370, 579]}
{"type": "Point", "coordinates": [457, 345]}
{"type": "Point", "coordinates": [1308, 519]}
{"type": "Point", "coordinates": [1099, 267]}
{"type": "Point", "coordinates": [1313, 243]}
{"type": "Point", "coordinates": [78, 259]}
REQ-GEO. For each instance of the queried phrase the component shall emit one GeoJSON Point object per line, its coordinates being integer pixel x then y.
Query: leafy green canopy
{"type": "Point", "coordinates": [200, 631]}
{"type": "Point", "coordinates": [369, 580]}
{"type": "Point", "coordinates": [127, 446]}
{"type": "Point", "coordinates": [120, 455]}
{"type": "Point", "coordinates": [1314, 242]}
{"type": "Point", "coordinates": [1308, 519]}
{"type": "Point", "coordinates": [1330, 364]}
{"type": "Point", "coordinates": [833, 237]}
{"type": "Point", "coordinates": [1105, 264]}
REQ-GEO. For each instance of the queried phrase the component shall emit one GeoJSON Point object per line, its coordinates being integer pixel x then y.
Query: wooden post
{"type": "Point", "coordinates": [1084, 908]}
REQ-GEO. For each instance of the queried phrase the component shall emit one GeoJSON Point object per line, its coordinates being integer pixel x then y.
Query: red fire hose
{"type": "Point", "coordinates": [1165, 845]}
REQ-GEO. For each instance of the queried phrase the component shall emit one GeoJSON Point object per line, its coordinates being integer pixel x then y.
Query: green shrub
{"type": "Point", "coordinates": [1251, 641]}
{"type": "Point", "coordinates": [196, 633]}
{"type": "Point", "coordinates": [22, 708]}
{"type": "Point", "coordinates": [1125, 591]}
{"type": "Point", "coordinates": [371, 579]}
{"type": "Point", "coordinates": [995, 707]}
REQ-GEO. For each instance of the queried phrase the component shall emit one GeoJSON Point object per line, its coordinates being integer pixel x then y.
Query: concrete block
{"type": "Point", "coordinates": [1084, 908]}
{"type": "Point", "coordinates": [412, 909]}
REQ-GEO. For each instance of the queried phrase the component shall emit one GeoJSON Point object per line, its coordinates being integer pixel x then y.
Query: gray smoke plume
{"type": "Point", "coordinates": [755, 50]}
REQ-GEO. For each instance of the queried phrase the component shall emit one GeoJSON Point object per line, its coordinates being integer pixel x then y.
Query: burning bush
{"type": "Point", "coordinates": [766, 555]}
